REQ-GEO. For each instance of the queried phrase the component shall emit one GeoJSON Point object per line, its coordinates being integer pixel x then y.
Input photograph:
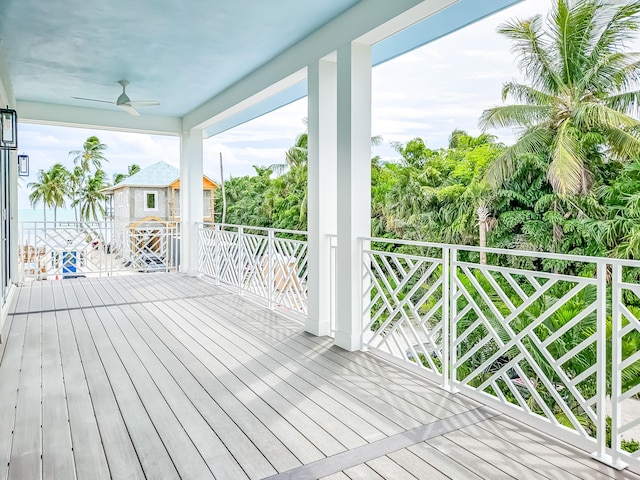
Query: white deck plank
{"type": "Point", "coordinates": [95, 291]}
{"type": "Point", "coordinates": [304, 450]}
{"type": "Point", "coordinates": [416, 466]}
{"type": "Point", "coordinates": [9, 382]}
{"type": "Point", "coordinates": [149, 447]}
{"type": "Point", "coordinates": [88, 450]}
{"type": "Point", "coordinates": [447, 465]}
{"type": "Point", "coordinates": [479, 464]}
{"type": "Point", "coordinates": [57, 452]}
{"type": "Point", "coordinates": [281, 377]}
{"type": "Point", "coordinates": [112, 291]}
{"type": "Point", "coordinates": [35, 300]}
{"type": "Point", "coordinates": [119, 451]}
{"type": "Point", "coordinates": [59, 299]}
{"type": "Point", "coordinates": [21, 300]}
{"type": "Point", "coordinates": [498, 459]}
{"type": "Point", "coordinates": [218, 459]}
{"type": "Point", "coordinates": [150, 403]}
{"type": "Point", "coordinates": [405, 414]}
{"type": "Point", "coordinates": [47, 295]}
{"type": "Point", "coordinates": [195, 358]}
{"type": "Point", "coordinates": [26, 451]}
{"type": "Point", "coordinates": [387, 468]}
{"type": "Point", "coordinates": [514, 456]}
{"type": "Point", "coordinates": [554, 451]}
{"type": "Point", "coordinates": [362, 472]}
{"type": "Point", "coordinates": [253, 462]}
{"type": "Point", "coordinates": [69, 294]}
{"type": "Point", "coordinates": [83, 299]}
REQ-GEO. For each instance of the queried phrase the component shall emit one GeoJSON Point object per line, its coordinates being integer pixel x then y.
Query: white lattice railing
{"type": "Point", "coordinates": [71, 249]}
{"type": "Point", "coordinates": [268, 264]}
{"type": "Point", "coordinates": [538, 342]}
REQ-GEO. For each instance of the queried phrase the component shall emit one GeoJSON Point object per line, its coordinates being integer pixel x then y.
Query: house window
{"type": "Point", "coordinates": [150, 200]}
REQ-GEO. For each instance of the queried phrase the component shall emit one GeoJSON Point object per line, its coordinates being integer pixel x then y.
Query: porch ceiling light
{"type": "Point", "coordinates": [8, 129]}
{"type": "Point", "coordinates": [23, 165]}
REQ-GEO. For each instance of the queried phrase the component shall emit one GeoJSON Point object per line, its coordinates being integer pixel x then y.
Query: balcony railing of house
{"type": "Point", "coordinates": [267, 264]}
{"type": "Point", "coordinates": [49, 250]}
{"type": "Point", "coordinates": [552, 339]}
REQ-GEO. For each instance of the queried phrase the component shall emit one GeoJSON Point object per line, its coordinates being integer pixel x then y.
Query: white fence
{"type": "Point", "coordinates": [267, 264]}
{"type": "Point", "coordinates": [538, 334]}
{"type": "Point", "coordinates": [71, 249]}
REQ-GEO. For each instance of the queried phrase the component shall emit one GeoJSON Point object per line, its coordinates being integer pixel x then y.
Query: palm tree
{"type": "Point", "coordinates": [583, 90]}
{"type": "Point", "coordinates": [91, 156]}
{"type": "Point", "coordinates": [75, 189]}
{"type": "Point", "coordinates": [50, 189]}
{"type": "Point", "coordinates": [131, 170]}
{"type": "Point", "coordinates": [58, 185]}
{"type": "Point", "coordinates": [40, 192]}
{"type": "Point", "coordinates": [93, 198]}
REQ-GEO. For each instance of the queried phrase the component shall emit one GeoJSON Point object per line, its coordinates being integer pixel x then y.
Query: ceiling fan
{"type": "Point", "coordinates": [123, 101]}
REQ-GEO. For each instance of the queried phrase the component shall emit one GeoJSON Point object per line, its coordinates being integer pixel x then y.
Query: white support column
{"type": "Point", "coordinates": [322, 192]}
{"type": "Point", "coordinates": [191, 199]}
{"type": "Point", "coordinates": [354, 188]}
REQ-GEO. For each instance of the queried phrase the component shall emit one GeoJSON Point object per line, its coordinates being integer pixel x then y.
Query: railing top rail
{"type": "Point", "coordinates": [503, 251]}
{"type": "Point", "coordinates": [249, 227]}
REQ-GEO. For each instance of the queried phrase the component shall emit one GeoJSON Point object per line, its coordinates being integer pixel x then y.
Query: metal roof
{"type": "Point", "coordinates": [160, 174]}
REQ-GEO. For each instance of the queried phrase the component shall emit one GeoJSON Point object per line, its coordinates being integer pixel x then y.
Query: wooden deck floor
{"type": "Point", "coordinates": [163, 376]}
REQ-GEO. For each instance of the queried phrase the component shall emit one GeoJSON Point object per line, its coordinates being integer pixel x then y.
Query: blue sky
{"type": "Point", "coordinates": [427, 93]}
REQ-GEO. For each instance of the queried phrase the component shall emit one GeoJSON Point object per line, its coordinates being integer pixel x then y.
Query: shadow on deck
{"type": "Point", "coordinates": [167, 376]}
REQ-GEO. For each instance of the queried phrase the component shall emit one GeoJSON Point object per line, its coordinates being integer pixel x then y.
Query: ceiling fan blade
{"type": "Point", "coordinates": [143, 104]}
{"type": "Point", "coordinates": [129, 109]}
{"type": "Point", "coordinates": [93, 100]}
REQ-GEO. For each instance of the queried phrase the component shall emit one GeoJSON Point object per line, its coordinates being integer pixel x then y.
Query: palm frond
{"type": "Point", "coordinates": [565, 172]}
{"type": "Point", "coordinates": [514, 116]}
{"type": "Point", "coordinates": [628, 75]}
{"type": "Point", "coordinates": [612, 73]}
{"type": "Point", "coordinates": [594, 116]}
{"type": "Point", "coordinates": [624, 144]}
{"type": "Point", "coordinates": [527, 94]}
{"type": "Point", "coordinates": [620, 27]}
{"type": "Point", "coordinates": [536, 140]}
{"type": "Point", "coordinates": [532, 49]}
{"type": "Point", "coordinates": [573, 27]}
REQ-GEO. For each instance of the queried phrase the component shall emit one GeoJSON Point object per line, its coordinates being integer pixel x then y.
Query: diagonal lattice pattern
{"type": "Point", "coordinates": [289, 273]}
{"type": "Point", "coordinates": [528, 339]}
{"type": "Point", "coordinates": [260, 264]}
{"type": "Point", "coordinates": [94, 249]}
{"type": "Point", "coordinates": [404, 301]}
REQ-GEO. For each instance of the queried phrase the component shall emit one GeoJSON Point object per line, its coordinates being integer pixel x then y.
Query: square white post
{"type": "Point", "coordinates": [354, 188]}
{"type": "Point", "coordinates": [322, 192]}
{"type": "Point", "coordinates": [191, 199]}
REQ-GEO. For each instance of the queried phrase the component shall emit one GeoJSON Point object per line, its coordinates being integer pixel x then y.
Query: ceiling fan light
{"type": "Point", "coordinates": [122, 99]}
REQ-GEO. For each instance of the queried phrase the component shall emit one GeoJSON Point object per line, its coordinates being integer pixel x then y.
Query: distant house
{"type": "Point", "coordinates": [153, 193]}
